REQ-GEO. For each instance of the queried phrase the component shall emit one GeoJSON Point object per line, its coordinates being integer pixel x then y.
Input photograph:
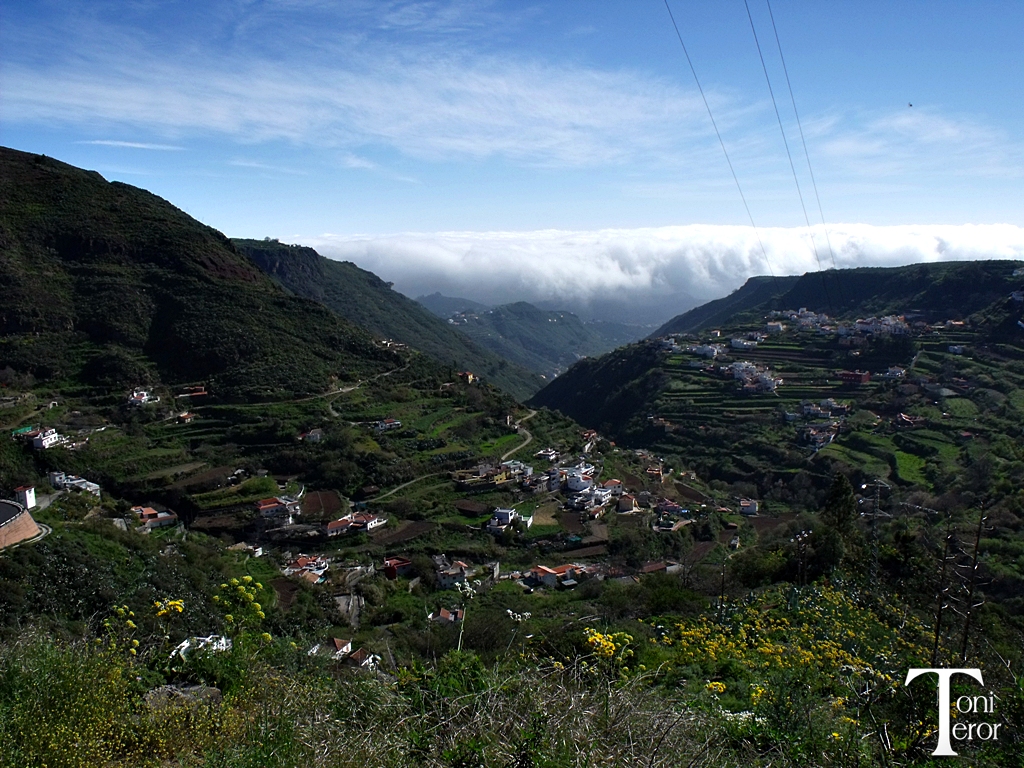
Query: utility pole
{"type": "Point", "coordinates": [875, 514]}
{"type": "Point", "coordinates": [972, 581]}
{"type": "Point", "coordinates": [801, 549]}
{"type": "Point", "coordinates": [940, 593]}
{"type": "Point", "coordinates": [721, 593]}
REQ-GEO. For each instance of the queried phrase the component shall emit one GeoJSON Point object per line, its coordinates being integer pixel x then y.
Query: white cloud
{"type": "Point", "coordinates": [134, 145]}
{"type": "Point", "coordinates": [255, 164]}
{"type": "Point", "coordinates": [922, 139]}
{"type": "Point", "coordinates": [646, 264]}
{"type": "Point", "coordinates": [426, 105]}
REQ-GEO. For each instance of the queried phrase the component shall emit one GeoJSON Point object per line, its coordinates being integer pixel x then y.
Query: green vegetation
{"type": "Point", "coordinates": [364, 299]}
{"type": "Point", "coordinates": [110, 287]}
{"type": "Point", "coordinates": [544, 341]}
{"type": "Point", "coordinates": [940, 288]}
{"type": "Point", "coordinates": [700, 637]}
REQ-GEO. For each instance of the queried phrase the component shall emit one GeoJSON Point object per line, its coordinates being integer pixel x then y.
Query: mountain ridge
{"type": "Point", "coordinates": [363, 298]}
{"type": "Point", "coordinates": [137, 291]}
{"type": "Point", "coordinates": [967, 286]}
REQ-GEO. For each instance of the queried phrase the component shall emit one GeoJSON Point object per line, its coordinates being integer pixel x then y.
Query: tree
{"type": "Point", "coordinates": [840, 509]}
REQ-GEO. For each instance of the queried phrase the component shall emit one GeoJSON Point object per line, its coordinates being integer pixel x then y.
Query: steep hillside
{"type": "Point", "coordinates": [363, 298]}
{"type": "Point", "coordinates": [542, 340]}
{"type": "Point", "coordinates": [109, 285]}
{"type": "Point", "coordinates": [929, 289]}
{"type": "Point", "coordinates": [446, 306]}
{"type": "Point", "coordinates": [753, 293]}
{"type": "Point", "coordinates": [741, 413]}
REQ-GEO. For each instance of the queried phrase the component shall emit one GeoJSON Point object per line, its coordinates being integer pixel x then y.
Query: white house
{"type": "Point", "coordinates": [62, 482]}
{"type": "Point", "coordinates": [151, 518]}
{"type": "Point", "coordinates": [614, 486]}
{"type": "Point", "coordinates": [577, 481]}
{"type": "Point", "coordinates": [503, 518]}
{"type": "Point", "coordinates": [46, 439]}
{"type": "Point", "coordinates": [456, 573]}
{"type": "Point", "coordinates": [140, 397]}
{"type": "Point", "coordinates": [743, 344]}
{"type": "Point", "coordinates": [368, 521]}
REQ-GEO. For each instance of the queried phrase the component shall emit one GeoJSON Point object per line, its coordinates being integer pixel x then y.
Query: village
{"type": "Point", "coordinates": [543, 520]}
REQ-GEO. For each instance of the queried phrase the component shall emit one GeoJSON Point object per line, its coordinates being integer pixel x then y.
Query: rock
{"type": "Point", "coordinates": [183, 695]}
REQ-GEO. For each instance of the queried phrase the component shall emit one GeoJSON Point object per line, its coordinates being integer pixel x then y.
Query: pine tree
{"type": "Point", "coordinates": [840, 510]}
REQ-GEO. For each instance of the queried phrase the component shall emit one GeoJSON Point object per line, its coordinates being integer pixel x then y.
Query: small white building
{"type": "Point", "coordinates": [577, 481]}
{"type": "Point", "coordinates": [48, 438]}
{"type": "Point", "coordinates": [503, 518]}
{"type": "Point", "coordinates": [26, 496]}
{"type": "Point", "coordinates": [63, 482]}
{"type": "Point", "coordinates": [140, 397]}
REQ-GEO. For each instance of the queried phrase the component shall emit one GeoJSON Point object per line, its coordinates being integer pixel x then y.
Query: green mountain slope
{"type": "Point", "coordinates": [634, 392]}
{"type": "Point", "coordinates": [109, 285]}
{"type": "Point", "coordinates": [363, 298]}
{"type": "Point", "coordinates": [543, 340]}
{"type": "Point", "coordinates": [753, 293]}
{"type": "Point", "coordinates": [446, 306]}
{"type": "Point", "coordinates": [960, 287]}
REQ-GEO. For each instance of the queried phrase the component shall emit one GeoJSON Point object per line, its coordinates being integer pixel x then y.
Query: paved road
{"type": "Point", "coordinates": [522, 431]}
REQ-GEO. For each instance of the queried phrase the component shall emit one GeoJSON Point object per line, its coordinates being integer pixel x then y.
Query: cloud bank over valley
{"type": "Point", "coordinates": [647, 275]}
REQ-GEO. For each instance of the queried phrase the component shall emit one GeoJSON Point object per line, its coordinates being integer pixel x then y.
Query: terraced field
{"type": "Point", "coordinates": [958, 402]}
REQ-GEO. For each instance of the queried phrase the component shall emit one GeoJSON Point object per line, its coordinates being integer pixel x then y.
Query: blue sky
{"type": "Point", "coordinates": [390, 132]}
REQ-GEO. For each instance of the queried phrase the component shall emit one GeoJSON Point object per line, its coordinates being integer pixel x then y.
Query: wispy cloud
{"type": "Point", "coordinates": [266, 167]}
{"type": "Point", "coordinates": [587, 267]}
{"type": "Point", "coordinates": [919, 139]}
{"type": "Point", "coordinates": [134, 145]}
{"type": "Point", "coordinates": [354, 161]}
{"type": "Point", "coordinates": [435, 97]}
{"type": "Point", "coordinates": [433, 108]}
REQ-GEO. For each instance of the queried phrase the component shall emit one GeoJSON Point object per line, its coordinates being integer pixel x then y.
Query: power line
{"type": "Point", "coordinates": [803, 142]}
{"type": "Point", "coordinates": [725, 152]}
{"type": "Point", "coordinates": [789, 155]}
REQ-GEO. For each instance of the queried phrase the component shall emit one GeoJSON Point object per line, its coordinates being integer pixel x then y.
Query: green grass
{"type": "Point", "coordinates": [246, 493]}
{"type": "Point", "coordinates": [961, 407]}
{"type": "Point", "coordinates": [910, 468]}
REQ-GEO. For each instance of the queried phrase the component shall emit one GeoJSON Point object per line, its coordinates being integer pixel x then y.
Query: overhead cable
{"type": "Point", "coordinates": [725, 152]}
{"type": "Point", "coordinates": [803, 142]}
{"type": "Point", "coordinates": [789, 155]}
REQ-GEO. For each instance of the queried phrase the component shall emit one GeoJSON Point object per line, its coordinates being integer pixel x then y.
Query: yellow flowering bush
{"type": "Point", "coordinates": [240, 599]}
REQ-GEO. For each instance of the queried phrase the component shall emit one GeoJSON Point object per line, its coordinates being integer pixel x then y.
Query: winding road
{"type": "Point", "coordinates": [519, 427]}
{"type": "Point", "coordinates": [523, 431]}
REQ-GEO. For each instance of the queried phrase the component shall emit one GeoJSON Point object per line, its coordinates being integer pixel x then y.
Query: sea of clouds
{"type": "Point", "coordinates": [650, 274]}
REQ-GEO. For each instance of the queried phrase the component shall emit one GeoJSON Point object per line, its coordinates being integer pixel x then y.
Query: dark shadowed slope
{"type": "Point", "coordinates": [446, 306]}
{"type": "Point", "coordinates": [363, 298]}
{"type": "Point", "coordinates": [543, 340]}
{"type": "Point", "coordinates": [109, 285]}
{"type": "Point", "coordinates": [963, 287]}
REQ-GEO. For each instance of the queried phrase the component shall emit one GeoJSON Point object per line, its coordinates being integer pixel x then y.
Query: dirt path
{"type": "Point", "coordinates": [404, 485]}
{"type": "Point", "coordinates": [522, 445]}
{"type": "Point", "coordinates": [522, 431]}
